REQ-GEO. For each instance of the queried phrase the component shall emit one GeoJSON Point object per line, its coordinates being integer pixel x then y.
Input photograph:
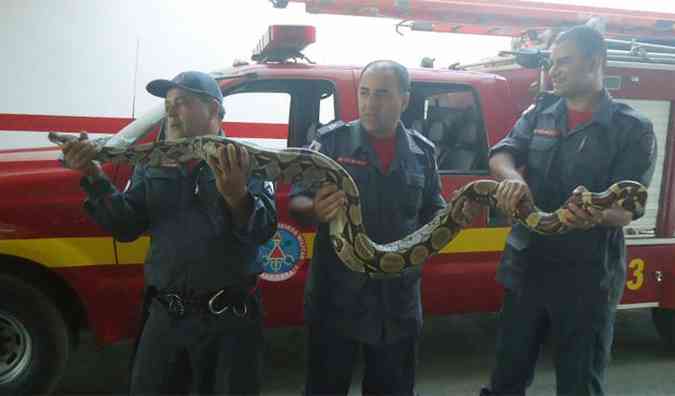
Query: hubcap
{"type": "Point", "coordinates": [15, 347]}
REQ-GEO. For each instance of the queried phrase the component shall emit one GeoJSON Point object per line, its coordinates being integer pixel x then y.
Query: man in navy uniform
{"type": "Point", "coordinates": [567, 286]}
{"type": "Point", "coordinates": [206, 221]}
{"type": "Point", "coordinates": [395, 171]}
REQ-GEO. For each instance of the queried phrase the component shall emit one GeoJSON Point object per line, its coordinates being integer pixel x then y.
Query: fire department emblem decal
{"type": "Point", "coordinates": [282, 255]}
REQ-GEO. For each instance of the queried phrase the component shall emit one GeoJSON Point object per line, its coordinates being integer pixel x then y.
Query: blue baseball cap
{"type": "Point", "coordinates": [192, 81]}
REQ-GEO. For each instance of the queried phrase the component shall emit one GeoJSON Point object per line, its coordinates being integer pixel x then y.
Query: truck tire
{"type": "Point", "coordinates": [664, 321]}
{"type": "Point", "coordinates": [34, 340]}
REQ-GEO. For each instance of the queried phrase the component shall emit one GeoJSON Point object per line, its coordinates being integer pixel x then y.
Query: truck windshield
{"type": "Point", "coordinates": [138, 129]}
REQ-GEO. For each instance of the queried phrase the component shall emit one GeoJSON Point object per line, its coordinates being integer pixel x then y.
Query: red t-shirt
{"type": "Point", "coordinates": [385, 148]}
{"type": "Point", "coordinates": [576, 118]}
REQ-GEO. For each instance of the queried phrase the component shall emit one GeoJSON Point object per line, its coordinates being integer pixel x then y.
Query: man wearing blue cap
{"type": "Point", "coordinates": [202, 331]}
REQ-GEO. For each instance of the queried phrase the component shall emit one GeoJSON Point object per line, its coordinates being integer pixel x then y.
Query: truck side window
{"type": "Point", "coordinates": [326, 116]}
{"type": "Point", "coordinates": [327, 108]}
{"type": "Point", "coordinates": [258, 117]}
{"type": "Point", "coordinates": [279, 113]}
{"type": "Point", "coordinates": [450, 117]}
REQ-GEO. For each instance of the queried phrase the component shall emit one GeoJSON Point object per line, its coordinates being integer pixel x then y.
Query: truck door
{"type": "Point", "coordinates": [450, 115]}
{"type": "Point", "coordinates": [276, 113]}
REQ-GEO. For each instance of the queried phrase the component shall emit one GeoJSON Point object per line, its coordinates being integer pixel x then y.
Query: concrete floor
{"type": "Point", "coordinates": [456, 355]}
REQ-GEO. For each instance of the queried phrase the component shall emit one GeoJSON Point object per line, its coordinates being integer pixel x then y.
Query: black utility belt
{"type": "Point", "coordinates": [216, 303]}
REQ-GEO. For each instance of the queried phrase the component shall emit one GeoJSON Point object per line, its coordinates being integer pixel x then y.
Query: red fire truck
{"type": "Point", "coordinates": [60, 273]}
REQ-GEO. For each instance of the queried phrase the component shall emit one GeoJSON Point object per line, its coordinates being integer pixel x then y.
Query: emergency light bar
{"type": "Point", "coordinates": [283, 42]}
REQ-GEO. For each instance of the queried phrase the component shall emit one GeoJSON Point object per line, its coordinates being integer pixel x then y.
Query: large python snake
{"type": "Point", "coordinates": [310, 169]}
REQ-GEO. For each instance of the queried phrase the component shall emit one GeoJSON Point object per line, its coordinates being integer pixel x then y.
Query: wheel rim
{"type": "Point", "coordinates": [15, 347]}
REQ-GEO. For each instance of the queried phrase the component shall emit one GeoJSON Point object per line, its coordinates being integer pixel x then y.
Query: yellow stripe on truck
{"type": "Point", "coordinates": [309, 241]}
{"type": "Point", "coordinates": [76, 252]}
{"type": "Point", "coordinates": [478, 240]}
{"type": "Point", "coordinates": [79, 252]}
{"type": "Point", "coordinates": [61, 252]}
{"type": "Point", "coordinates": [133, 252]}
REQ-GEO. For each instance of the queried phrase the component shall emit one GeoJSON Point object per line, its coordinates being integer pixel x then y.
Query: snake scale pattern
{"type": "Point", "coordinates": [310, 169]}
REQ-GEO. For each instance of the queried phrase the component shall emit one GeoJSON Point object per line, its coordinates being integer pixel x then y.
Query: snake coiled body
{"type": "Point", "coordinates": [311, 169]}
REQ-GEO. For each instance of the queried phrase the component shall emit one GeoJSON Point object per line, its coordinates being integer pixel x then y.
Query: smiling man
{"type": "Point", "coordinates": [567, 286]}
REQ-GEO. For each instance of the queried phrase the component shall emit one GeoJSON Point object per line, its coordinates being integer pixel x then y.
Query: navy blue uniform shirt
{"type": "Point", "coordinates": [194, 244]}
{"type": "Point", "coordinates": [617, 144]}
{"type": "Point", "coordinates": [394, 204]}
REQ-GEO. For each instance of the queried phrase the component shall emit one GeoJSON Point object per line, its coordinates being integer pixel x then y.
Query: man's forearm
{"type": "Point", "coordinates": [616, 217]}
{"type": "Point", "coordinates": [113, 210]}
{"type": "Point", "coordinates": [503, 167]}
{"type": "Point", "coordinates": [242, 210]}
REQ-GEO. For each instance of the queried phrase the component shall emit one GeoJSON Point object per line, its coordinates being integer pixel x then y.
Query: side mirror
{"type": "Point", "coordinates": [531, 58]}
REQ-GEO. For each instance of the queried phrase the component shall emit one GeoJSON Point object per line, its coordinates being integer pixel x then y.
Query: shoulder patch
{"type": "Point", "coordinates": [529, 109]}
{"type": "Point", "coordinates": [333, 126]}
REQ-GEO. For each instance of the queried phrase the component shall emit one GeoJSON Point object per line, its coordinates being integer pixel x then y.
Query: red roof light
{"type": "Point", "coordinates": [282, 42]}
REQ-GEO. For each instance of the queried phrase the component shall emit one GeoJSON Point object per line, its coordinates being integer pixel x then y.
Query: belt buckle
{"type": "Point", "coordinates": [175, 304]}
{"type": "Point", "coordinates": [240, 312]}
{"type": "Point", "coordinates": [213, 299]}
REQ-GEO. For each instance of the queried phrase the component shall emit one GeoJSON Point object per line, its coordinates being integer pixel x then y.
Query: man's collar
{"type": "Point", "coordinates": [360, 139]}
{"type": "Point", "coordinates": [602, 114]}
